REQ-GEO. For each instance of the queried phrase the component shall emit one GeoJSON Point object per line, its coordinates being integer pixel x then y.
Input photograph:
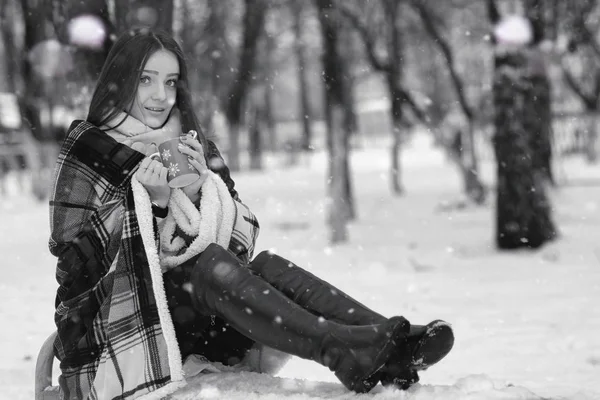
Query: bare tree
{"type": "Point", "coordinates": [298, 7]}
{"type": "Point", "coordinates": [581, 62]}
{"type": "Point", "coordinates": [36, 30]}
{"type": "Point", "coordinates": [338, 120]}
{"type": "Point", "coordinates": [469, 165]}
{"type": "Point", "coordinates": [267, 117]}
{"type": "Point", "coordinates": [233, 104]}
{"type": "Point", "coordinates": [385, 15]}
{"type": "Point", "coordinates": [205, 40]}
{"type": "Point", "coordinates": [12, 53]}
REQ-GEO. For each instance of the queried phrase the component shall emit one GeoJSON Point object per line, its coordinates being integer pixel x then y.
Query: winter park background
{"type": "Point", "coordinates": [526, 322]}
{"type": "Point", "coordinates": [528, 319]}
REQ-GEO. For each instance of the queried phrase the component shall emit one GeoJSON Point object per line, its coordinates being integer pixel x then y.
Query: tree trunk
{"type": "Point", "coordinates": [472, 184]}
{"type": "Point", "coordinates": [300, 51]}
{"type": "Point", "coordinates": [255, 142]}
{"type": "Point", "coordinates": [469, 165]}
{"type": "Point", "coordinates": [11, 53]}
{"type": "Point", "coordinates": [35, 24]}
{"type": "Point", "coordinates": [338, 123]}
{"type": "Point", "coordinates": [267, 101]}
{"type": "Point", "coordinates": [397, 127]}
{"type": "Point", "coordinates": [268, 118]}
{"type": "Point", "coordinates": [396, 157]}
{"type": "Point", "coordinates": [254, 18]}
{"type": "Point", "coordinates": [233, 151]}
{"type": "Point", "coordinates": [591, 138]}
{"type": "Point", "coordinates": [523, 211]}
{"type": "Point", "coordinates": [338, 204]}
{"type": "Point", "coordinates": [396, 93]}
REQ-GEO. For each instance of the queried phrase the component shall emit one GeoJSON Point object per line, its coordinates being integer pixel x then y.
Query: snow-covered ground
{"type": "Point", "coordinates": [527, 324]}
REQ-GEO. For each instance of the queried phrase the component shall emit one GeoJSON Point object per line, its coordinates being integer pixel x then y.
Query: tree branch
{"type": "Point", "coordinates": [418, 112]}
{"type": "Point", "coordinates": [589, 102]}
{"type": "Point", "coordinates": [432, 30]}
{"type": "Point", "coordinates": [493, 13]}
{"type": "Point", "coordinates": [252, 28]}
{"type": "Point", "coordinates": [368, 40]}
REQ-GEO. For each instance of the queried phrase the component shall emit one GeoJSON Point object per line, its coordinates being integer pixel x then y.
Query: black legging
{"type": "Point", "coordinates": [196, 333]}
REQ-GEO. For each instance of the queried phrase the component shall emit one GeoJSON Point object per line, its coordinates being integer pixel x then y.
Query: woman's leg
{"type": "Point", "coordinates": [210, 336]}
{"type": "Point", "coordinates": [311, 292]}
{"type": "Point", "coordinates": [205, 335]}
{"type": "Point", "coordinates": [429, 343]}
{"type": "Point", "coordinates": [189, 324]}
{"type": "Point", "coordinates": [222, 286]}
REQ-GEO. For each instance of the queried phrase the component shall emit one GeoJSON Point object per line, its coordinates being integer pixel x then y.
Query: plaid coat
{"type": "Point", "coordinates": [115, 335]}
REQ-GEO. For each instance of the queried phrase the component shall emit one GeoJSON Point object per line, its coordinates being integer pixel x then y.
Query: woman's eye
{"type": "Point", "coordinates": [172, 82]}
{"type": "Point", "coordinates": [145, 79]}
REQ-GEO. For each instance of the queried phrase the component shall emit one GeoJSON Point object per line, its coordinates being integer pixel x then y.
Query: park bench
{"type": "Point", "coordinates": [43, 371]}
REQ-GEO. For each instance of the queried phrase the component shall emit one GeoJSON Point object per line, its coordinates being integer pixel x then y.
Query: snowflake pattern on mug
{"type": "Point", "coordinates": [166, 155]}
{"type": "Point", "coordinates": [190, 166]}
{"type": "Point", "coordinates": [174, 169]}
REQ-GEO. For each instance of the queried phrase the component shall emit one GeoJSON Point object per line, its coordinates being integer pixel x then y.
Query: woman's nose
{"type": "Point", "coordinates": [159, 93]}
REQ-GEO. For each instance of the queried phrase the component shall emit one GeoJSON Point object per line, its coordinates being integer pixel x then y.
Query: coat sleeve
{"type": "Point", "coordinates": [87, 208]}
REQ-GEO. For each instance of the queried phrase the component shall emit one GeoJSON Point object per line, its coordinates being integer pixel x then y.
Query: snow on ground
{"type": "Point", "coordinates": [526, 323]}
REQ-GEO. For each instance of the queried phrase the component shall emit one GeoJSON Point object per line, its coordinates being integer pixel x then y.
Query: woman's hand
{"type": "Point", "coordinates": [195, 155]}
{"type": "Point", "coordinates": [153, 176]}
{"type": "Point", "coordinates": [143, 148]}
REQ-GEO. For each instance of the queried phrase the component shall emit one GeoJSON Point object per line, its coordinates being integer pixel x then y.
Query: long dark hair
{"type": "Point", "coordinates": [117, 85]}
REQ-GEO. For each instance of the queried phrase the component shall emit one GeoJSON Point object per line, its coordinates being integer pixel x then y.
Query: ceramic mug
{"type": "Point", "coordinates": [181, 172]}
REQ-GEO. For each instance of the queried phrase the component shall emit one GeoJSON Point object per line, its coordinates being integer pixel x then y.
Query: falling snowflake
{"type": "Point", "coordinates": [174, 169]}
{"type": "Point", "coordinates": [166, 155]}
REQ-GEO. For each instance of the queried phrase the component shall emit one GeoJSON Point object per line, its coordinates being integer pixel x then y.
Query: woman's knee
{"type": "Point", "coordinates": [267, 262]}
{"type": "Point", "coordinates": [215, 265]}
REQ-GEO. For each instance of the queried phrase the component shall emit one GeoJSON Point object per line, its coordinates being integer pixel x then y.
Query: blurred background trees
{"type": "Point", "coordinates": [290, 77]}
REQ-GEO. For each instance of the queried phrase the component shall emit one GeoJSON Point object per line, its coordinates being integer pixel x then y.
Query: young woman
{"type": "Point", "coordinates": [156, 284]}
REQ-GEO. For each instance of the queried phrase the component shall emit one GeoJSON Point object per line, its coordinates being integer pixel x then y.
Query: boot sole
{"type": "Point", "coordinates": [368, 382]}
{"type": "Point", "coordinates": [435, 344]}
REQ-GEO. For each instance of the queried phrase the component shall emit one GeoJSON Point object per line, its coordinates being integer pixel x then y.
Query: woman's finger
{"type": "Point", "coordinates": [156, 170]}
{"type": "Point", "coordinates": [155, 165]}
{"type": "Point", "coordinates": [188, 152]}
{"type": "Point", "coordinates": [139, 146]}
{"type": "Point", "coordinates": [151, 149]}
{"type": "Point", "coordinates": [193, 143]}
{"type": "Point", "coordinates": [193, 155]}
{"type": "Point", "coordinates": [145, 163]}
{"type": "Point", "coordinates": [199, 166]}
{"type": "Point", "coordinates": [162, 177]}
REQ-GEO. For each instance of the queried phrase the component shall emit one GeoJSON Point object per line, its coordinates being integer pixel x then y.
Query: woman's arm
{"type": "Point", "coordinates": [87, 206]}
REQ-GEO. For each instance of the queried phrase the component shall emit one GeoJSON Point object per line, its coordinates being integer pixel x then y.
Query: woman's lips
{"type": "Point", "coordinates": [155, 109]}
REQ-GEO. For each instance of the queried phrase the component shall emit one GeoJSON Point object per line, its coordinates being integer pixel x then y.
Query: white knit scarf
{"type": "Point", "coordinates": [124, 126]}
{"type": "Point", "coordinates": [211, 223]}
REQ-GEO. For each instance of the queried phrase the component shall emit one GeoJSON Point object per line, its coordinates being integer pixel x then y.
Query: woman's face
{"type": "Point", "coordinates": [157, 89]}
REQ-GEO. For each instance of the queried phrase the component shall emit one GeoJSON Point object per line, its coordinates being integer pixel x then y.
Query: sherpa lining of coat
{"type": "Point", "coordinates": [212, 223]}
{"type": "Point", "coordinates": [145, 219]}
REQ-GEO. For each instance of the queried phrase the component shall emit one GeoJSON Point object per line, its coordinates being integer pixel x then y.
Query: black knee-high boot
{"type": "Point", "coordinates": [225, 287]}
{"type": "Point", "coordinates": [427, 344]}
